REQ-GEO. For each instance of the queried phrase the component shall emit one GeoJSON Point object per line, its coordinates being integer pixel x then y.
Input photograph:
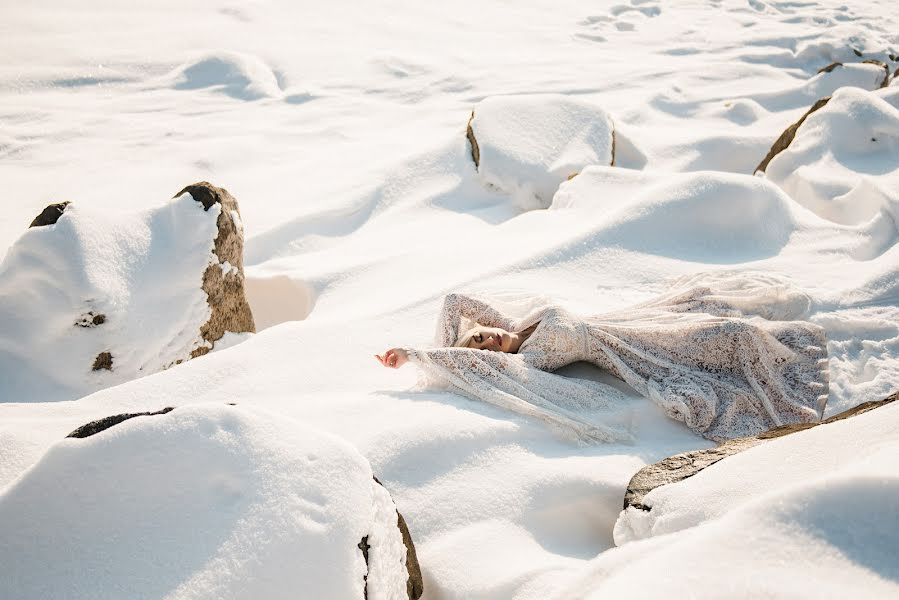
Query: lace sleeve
{"type": "Point", "coordinates": [456, 306]}
{"type": "Point", "coordinates": [507, 381]}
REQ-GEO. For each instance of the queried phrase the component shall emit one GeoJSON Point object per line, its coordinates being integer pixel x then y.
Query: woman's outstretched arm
{"type": "Point", "coordinates": [507, 381]}
{"type": "Point", "coordinates": [456, 306]}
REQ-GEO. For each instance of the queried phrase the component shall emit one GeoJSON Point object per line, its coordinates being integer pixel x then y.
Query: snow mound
{"type": "Point", "coordinates": [97, 299]}
{"type": "Point", "coordinates": [788, 519]}
{"type": "Point", "coordinates": [241, 76]}
{"type": "Point", "coordinates": [527, 145]}
{"type": "Point", "coordinates": [705, 216]}
{"type": "Point", "coordinates": [208, 501]}
{"type": "Point", "coordinates": [843, 163]}
{"type": "Point", "coordinates": [764, 470]}
{"type": "Point", "coordinates": [866, 76]}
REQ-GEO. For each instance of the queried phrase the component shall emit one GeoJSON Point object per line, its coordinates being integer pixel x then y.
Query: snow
{"type": "Point", "coordinates": [341, 132]}
{"type": "Point", "coordinates": [128, 284]}
{"type": "Point", "coordinates": [762, 470]}
{"type": "Point", "coordinates": [828, 514]}
{"type": "Point", "coordinates": [528, 145]}
{"type": "Point", "coordinates": [844, 162]}
{"type": "Point", "coordinates": [205, 501]}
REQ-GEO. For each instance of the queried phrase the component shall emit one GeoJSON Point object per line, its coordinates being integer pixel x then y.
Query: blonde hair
{"type": "Point", "coordinates": [465, 337]}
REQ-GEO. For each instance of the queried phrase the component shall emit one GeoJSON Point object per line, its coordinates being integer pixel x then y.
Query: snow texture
{"type": "Point", "coordinates": [844, 162]}
{"type": "Point", "coordinates": [341, 131]}
{"type": "Point", "coordinates": [528, 145]}
{"type": "Point", "coordinates": [127, 284]}
{"type": "Point", "coordinates": [206, 501]}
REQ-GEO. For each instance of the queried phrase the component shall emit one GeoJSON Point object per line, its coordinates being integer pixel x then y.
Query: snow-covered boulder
{"type": "Point", "coordinates": [223, 280]}
{"type": "Point", "coordinates": [527, 145]}
{"type": "Point", "coordinates": [843, 162]}
{"type": "Point", "coordinates": [206, 501]}
{"type": "Point", "coordinates": [867, 75]}
{"type": "Point", "coordinates": [90, 299]}
{"type": "Point", "coordinates": [809, 515]}
{"type": "Point", "coordinates": [770, 467]}
{"type": "Point", "coordinates": [681, 466]}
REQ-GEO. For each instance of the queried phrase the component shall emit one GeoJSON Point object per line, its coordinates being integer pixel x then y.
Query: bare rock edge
{"type": "Point", "coordinates": [681, 466]}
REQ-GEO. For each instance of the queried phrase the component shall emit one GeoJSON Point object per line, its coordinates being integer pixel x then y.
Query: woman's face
{"type": "Point", "coordinates": [490, 338]}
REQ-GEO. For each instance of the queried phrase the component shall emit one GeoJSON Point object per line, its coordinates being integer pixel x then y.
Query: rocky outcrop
{"type": "Point", "coordinates": [99, 425]}
{"type": "Point", "coordinates": [414, 584]}
{"type": "Point", "coordinates": [103, 362]}
{"type": "Point", "coordinates": [223, 282]}
{"type": "Point", "coordinates": [475, 151]}
{"type": "Point", "coordinates": [681, 466]}
{"type": "Point", "coordinates": [883, 65]}
{"type": "Point", "coordinates": [49, 215]}
{"type": "Point", "coordinates": [786, 138]}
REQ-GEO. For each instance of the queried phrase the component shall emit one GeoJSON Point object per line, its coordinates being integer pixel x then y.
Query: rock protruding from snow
{"type": "Point", "coordinates": [223, 282]}
{"type": "Point", "coordinates": [95, 427]}
{"type": "Point", "coordinates": [843, 163]}
{"type": "Point", "coordinates": [205, 501]}
{"type": "Point", "coordinates": [414, 584]}
{"type": "Point", "coordinates": [681, 466]}
{"type": "Point", "coordinates": [786, 138]}
{"type": "Point", "coordinates": [91, 298]}
{"type": "Point", "coordinates": [49, 215]}
{"type": "Point", "coordinates": [527, 145]}
{"type": "Point", "coordinates": [866, 75]}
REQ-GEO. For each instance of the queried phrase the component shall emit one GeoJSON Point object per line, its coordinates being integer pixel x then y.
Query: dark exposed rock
{"type": "Point", "coordinates": [223, 286]}
{"type": "Point", "coordinates": [681, 466]}
{"type": "Point", "coordinates": [886, 70]}
{"type": "Point", "coordinates": [103, 361]}
{"type": "Point", "coordinates": [830, 67]}
{"type": "Point", "coordinates": [103, 424]}
{"type": "Point", "coordinates": [363, 545]}
{"type": "Point", "coordinates": [89, 319]}
{"type": "Point", "coordinates": [49, 215]}
{"type": "Point", "coordinates": [415, 583]}
{"type": "Point", "coordinates": [475, 150]}
{"type": "Point", "coordinates": [786, 138]}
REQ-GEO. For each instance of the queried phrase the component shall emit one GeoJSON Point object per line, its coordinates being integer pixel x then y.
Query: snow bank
{"type": "Point", "coordinates": [204, 502]}
{"type": "Point", "coordinates": [93, 283]}
{"type": "Point", "coordinates": [527, 145]}
{"type": "Point", "coordinates": [827, 535]}
{"type": "Point", "coordinates": [703, 216]}
{"type": "Point", "coordinates": [844, 161]}
{"type": "Point", "coordinates": [765, 471]}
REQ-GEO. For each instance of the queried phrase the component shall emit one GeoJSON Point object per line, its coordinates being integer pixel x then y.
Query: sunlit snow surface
{"type": "Point", "coordinates": [340, 129]}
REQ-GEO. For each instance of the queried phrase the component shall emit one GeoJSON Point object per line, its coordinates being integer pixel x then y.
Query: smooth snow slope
{"type": "Point", "coordinates": [341, 131]}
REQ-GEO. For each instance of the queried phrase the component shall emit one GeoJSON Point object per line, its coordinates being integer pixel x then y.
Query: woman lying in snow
{"type": "Point", "coordinates": [726, 361]}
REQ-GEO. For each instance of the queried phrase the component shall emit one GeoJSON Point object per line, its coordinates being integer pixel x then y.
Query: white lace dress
{"type": "Point", "coordinates": [710, 359]}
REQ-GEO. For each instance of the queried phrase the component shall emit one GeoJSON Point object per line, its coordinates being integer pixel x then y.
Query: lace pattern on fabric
{"type": "Point", "coordinates": [710, 357]}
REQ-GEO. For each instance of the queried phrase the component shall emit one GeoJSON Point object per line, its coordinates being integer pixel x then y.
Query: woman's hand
{"type": "Point", "coordinates": [393, 358]}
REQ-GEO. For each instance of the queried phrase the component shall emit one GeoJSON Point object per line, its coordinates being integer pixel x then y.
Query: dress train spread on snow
{"type": "Point", "coordinates": [725, 360]}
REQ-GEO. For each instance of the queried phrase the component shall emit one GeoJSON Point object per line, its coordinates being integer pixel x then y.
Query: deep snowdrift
{"type": "Point", "coordinates": [844, 161]}
{"type": "Point", "coordinates": [203, 502]}
{"type": "Point", "coordinates": [829, 515]}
